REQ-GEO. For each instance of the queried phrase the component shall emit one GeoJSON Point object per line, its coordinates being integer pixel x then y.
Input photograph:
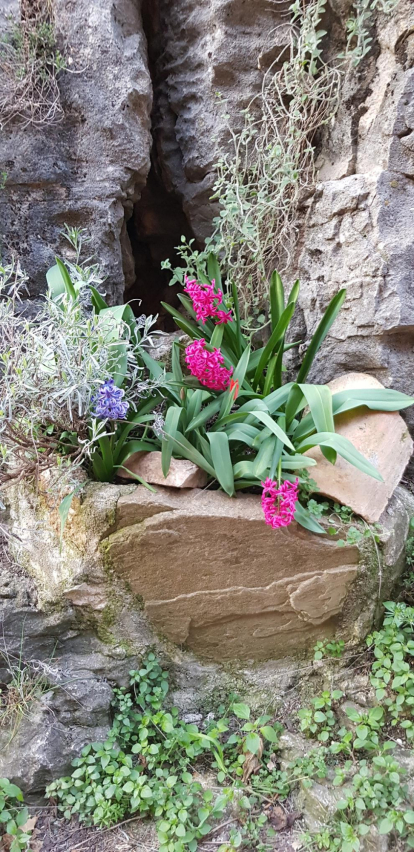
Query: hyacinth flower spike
{"type": "Point", "coordinates": [109, 403]}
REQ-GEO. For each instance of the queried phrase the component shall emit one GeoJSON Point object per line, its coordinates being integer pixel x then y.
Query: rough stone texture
{"type": "Point", "coordinates": [207, 569]}
{"type": "Point", "coordinates": [65, 609]}
{"type": "Point", "coordinates": [198, 51]}
{"type": "Point", "coordinates": [359, 228]}
{"type": "Point", "coordinates": [382, 437]}
{"type": "Point", "coordinates": [88, 170]}
{"type": "Point", "coordinates": [182, 473]}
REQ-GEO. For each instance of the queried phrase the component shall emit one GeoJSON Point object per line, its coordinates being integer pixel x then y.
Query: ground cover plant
{"type": "Point", "coordinates": [152, 762]}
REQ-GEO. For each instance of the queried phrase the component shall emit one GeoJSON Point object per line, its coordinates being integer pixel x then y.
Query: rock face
{"type": "Point", "coordinates": [382, 437]}
{"type": "Point", "coordinates": [359, 228]}
{"type": "Point", "coordinates": [203, 571]}
{"type": "Point", "coordinates": [87, 170]}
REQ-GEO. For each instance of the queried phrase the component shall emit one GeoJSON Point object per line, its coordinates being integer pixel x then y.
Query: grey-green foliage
{"type": "Point", "coordinates": [268, 165]}
{"type": "Point", "coordinates": [53, 360]}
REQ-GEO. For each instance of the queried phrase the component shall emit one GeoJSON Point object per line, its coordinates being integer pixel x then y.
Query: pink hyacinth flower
{"type": "Point", "coordinates": [206, 301]}
{"type": "Point", "coordinates": [207, 366]}
{"type": "Point", "coordinates": [279, 502]}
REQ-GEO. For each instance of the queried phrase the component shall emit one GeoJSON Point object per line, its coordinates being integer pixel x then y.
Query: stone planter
{"type": "Point", "coordinates": [228, 603]}
{"type": "Point", "coordinates": [202, 570]}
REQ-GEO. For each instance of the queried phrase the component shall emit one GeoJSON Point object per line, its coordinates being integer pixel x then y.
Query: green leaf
{"type": "Point", "coordinates": [242, 711]}
{"type": "Point", "coordinates": [377, 399]}
{"type": "Point", "coordinates": [385, 826]}
{"type": "Point", "coordinates": [319, 336]}
{"type": "Point", "coordinates": [252, 743]}
{"type": "Point", "coordinates": [205, 414]}
{"type": "Point", "coordinates": [172, 419]}
{"type": "Point", "coordinates": [240, 370]}
{"type": "Point", "coordinates": [273, 342]}
{"type": "Point", "coordinates": [408, 817]}
{"type": "Point", "coordinates": [269, 734]}
{"type": "Point", "coordinates": [220, 452]}
{"type": "Point", "coordinates": [345, 449]}
{"type": "Point", "coordinates": [98, 302]}
{"type": "Point", "coordinates": [131, 447]}
{"type": "Point", "coordinates": [64, 508]}
{"type": "Point", "coordinates": [277, 298]}
{"type": "Point", "coordinates": [213, 269]}
{"type": "Point", "coordinates": [274, 427]}
{"type": "Point", "coordinates": [217, 336]}
{"type": "Point", "coordinates": [319, 399]}
{"type": "Point", "coordinates": [59, 281]}
{"type": "Point", "coordinates": [183, 323]}
{"type": "Point", "coordinates": [265, 455]}
{"type": "Point", "coordinates": [188, 451]}
{"type": "Point", "coordinates": [305, 519]}
{"type": "Point", "coordinates": [175, 362]}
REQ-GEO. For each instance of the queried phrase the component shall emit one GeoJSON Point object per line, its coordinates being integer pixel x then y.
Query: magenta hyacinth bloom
{"type": "Point", "coordinates": [206, 301]}
{"type": "Point", "coordinates": [279, 502]}
{"type": "Point", "coordinates": [109, 403]}
{"type": "Point", "coordinates": [207, 366]}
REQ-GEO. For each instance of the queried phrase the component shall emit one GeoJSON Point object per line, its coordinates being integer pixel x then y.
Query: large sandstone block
{"type": "Point", "coordinates": [382, 437]}
{"type": "Point", "coordinates": [217, 581]}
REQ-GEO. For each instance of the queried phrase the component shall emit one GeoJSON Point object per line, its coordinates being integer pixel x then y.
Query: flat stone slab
{"type": "Point", "coordinates": [182, 473]}
{"type": "Point", "coordinates": [382, 437]}
{"type": "Point", "coordinates": [215, 579]}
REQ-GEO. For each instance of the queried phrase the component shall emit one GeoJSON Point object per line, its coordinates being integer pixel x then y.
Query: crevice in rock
{"type": "Point", "coordinates": [158, 220]}
{"type": "Point", "coordinates": [154, 229]}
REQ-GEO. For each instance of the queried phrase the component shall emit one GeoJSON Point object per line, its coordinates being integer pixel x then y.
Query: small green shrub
{"type": "Point", "coordinates": [13, 816]}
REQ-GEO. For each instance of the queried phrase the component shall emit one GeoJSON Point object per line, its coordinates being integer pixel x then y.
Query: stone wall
{"type": "Point", "coordinates": [87, 170]}
{"type": "Point", "coordinates": [228, 604]}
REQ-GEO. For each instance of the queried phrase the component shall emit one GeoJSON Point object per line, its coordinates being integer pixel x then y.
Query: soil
{"type": "Point", "coordinates": [52, 833]}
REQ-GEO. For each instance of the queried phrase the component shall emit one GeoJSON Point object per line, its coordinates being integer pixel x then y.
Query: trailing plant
{"type": "Point", "coordinates": [30, 64]}
{"type": "Point", "coordinates": [76, 388]}
{"type": "Point", "coordinates": [149, 763]}
{"type": "Point", "coordinates": [236, 418]}
{"type": "Point", "coordinates": [264, 170]}
{"type": "Point", "coordinates": [13, 816]}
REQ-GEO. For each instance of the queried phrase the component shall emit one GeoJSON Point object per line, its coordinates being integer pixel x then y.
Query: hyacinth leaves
{"type": "Point", "coordinates": [259, 426]}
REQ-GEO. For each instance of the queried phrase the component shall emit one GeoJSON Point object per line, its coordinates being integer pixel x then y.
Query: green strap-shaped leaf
{"type": "Point", "coordinates": [275, 338]}
{"type": "Point", "coordinates": [220, 453]}
{"type": "Point", "coordinates": [217, 336]}
{"type": "Point", "coordinates": [319, 336]}
{"type": "Point", "coordinates": [240, 370]}
{"type": "Point", "coordinates": [277, 398]}
{"type": "Point", "coordinates": [188, 451]}
{"type": "Point", "coordinates": [131, 447]}
{"type": "Point", "coordinates": [205, 414]}
{"type": "Point", "coordinates": [98, 302]}
{"type": "Point", "coordinates": [175, 362]}
{"type": "Point", "coordinates": [377, 399]}
{"type": "Point", "coordinates": [274, 427]}
{"type": "Point", "coordinates": [277, 298]}
{"type": "Point", "coordinates": [59, 281]}
{"type": "Point", "coordinates": [319, 399]}
{"type": "Point", "coordinates": [264, 457]}
{"type": "Point", "coordinates": [172, 419]}
{"type": "Point", "coordinates": [185, 325]}
{"type": "Point", "coordinates": [213, 269]}
{"type": "Point", "coordinates": [345, 449]}
{"type": "Point", "coordinates": [305, 519]}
